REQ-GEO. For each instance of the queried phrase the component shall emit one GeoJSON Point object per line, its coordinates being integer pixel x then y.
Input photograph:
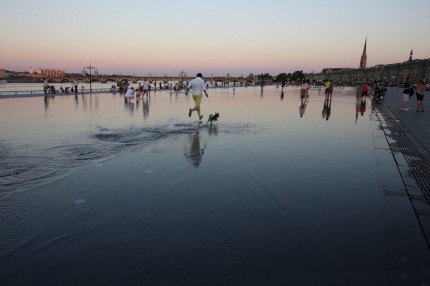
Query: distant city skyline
{"type": "Point", "coordinates": [212, 37]}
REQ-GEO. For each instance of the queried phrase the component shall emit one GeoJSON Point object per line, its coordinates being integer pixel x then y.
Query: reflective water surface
{"type": "Point", "coordinates": [97, 191]}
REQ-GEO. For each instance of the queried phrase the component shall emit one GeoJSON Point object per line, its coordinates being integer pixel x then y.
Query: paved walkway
{"type": "Point", "coordinates": [416, 124]}
{"type": "Point", "coordinates": [408, 134]}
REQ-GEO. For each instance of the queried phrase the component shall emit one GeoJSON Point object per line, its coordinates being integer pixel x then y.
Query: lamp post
{"type": "Point", "coordinates": [90, 67]}
{"type": "Point", "coordinates": [181, 76]}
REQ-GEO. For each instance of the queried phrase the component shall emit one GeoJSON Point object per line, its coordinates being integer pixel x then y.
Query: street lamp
{"type": "Point", "coordinates": [182, 75]}
{"type": "Point", "coordinates": [90, 67]}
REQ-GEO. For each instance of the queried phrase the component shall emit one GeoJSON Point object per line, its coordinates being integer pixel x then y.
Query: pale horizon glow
{"type": "Point", "coordinates": [213, 37]}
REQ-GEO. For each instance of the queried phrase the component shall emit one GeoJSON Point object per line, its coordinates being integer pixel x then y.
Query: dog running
{"type": "Point", "coordinates": [213, 117]}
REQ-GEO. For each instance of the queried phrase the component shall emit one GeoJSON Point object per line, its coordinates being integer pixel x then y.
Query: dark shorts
{"type": "Point", "coordinates": [364, 93]}
{"type": "Point", "coordinates": [420, 97]}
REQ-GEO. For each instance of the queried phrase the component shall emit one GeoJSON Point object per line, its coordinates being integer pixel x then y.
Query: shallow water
{"type": "Point", "coordinates": [95, 190]}
{"type": "Point", "coordinates": [43, 137]}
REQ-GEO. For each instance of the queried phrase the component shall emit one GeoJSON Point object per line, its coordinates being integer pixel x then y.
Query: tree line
{"type": "Point", "coordinates": [283, 77]}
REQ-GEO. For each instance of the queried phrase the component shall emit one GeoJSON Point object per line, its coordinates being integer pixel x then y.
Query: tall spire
{"type": "Point", "coordinates": [363, 56]}
{"type": "Point", "coordinates": [410, 55]}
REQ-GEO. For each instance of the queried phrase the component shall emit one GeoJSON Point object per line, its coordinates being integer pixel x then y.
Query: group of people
{"type": "Point", "coordinates": [142, 90]}
{"type": "Point", "coordinates": [51, 88]}
{"type": "Point", "coordinates": [408, 92]}
{"type": "Point", "coordinates": [196, 85]}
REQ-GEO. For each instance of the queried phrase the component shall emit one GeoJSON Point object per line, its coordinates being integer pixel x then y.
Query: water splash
{"type": "Point", "coordinates": [22, 171]}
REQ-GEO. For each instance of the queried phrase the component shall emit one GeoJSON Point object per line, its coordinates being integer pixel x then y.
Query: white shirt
{"type": "Point", "coordinates": [197, 86]}
{"type": "Point", "coordinates": [129, 93]}
{"type": "Point", "coordinates": [146, 85]}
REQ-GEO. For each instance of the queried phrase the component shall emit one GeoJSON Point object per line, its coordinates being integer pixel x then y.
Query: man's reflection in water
{"type": "Point", "coordinates": [46, 100]}
{"type": "Point", "coordinates": [129, 106]}
{"type": "Point", "coordinates": [326, 108]}
{"type": "Point", "coordinates": [303, 104]}
{"type": "Point", "coordinates": [145, 108]}
{"type": "Point", "coordinates": [282, 95]}
{"type": "Point", "coordinates": [360, 107]}
{"type": "Point", "coordinates": [76, 100]}
{"type": "Point", "coordinates": [195, 153]}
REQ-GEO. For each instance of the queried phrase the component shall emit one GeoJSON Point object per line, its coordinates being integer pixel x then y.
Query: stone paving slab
{"type": "Point", "coordinates": [416, 124]}
{"type": "Point", "coordinates": [413, 165]}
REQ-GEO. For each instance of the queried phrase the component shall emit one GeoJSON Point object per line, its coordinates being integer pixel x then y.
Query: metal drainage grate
{"type": "Point", "coordinates": [420, 168]}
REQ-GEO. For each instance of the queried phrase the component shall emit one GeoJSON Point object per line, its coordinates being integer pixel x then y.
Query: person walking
{"type": "Point", "coordinates": [421, 89]}
{"type": "Point", "coordinates": [197, 86]}
{"type": "Point", "coordinates": [45, 86]}
{"type": "Point", "coordinates": [328, 89]}
{"type": "Point", "coordinates": [75, 84]}
{"type": "Point", "coordinates": [146, 87]}
{"type": "Point", "coordinates": [406, 94]}
{"type": "Point", "coordinates": [364, 89]}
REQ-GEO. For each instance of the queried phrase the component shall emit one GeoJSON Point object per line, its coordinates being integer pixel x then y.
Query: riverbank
{"type": "Point", "coordinates": [33, 93]}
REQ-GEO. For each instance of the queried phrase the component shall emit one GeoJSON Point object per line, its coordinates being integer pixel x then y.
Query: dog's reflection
{"type": "Point", "coordinates": [195, 152]}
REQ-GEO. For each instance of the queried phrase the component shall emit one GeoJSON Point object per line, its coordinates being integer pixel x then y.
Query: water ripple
{"type": "Point", "coordinates": [22, 171]}
{"type": "Point", "coordinates": [22, 226]}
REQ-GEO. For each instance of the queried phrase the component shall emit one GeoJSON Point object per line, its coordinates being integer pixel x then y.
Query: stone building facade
{"type": "Point", "coordinates": [387, 74]}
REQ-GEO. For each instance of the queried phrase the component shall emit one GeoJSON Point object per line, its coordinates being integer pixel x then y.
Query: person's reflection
{"type": "Point", "coordinates": [303, 104]}
{"type": "Point", "coordinates": [360, 107]}
{"type": "Point", "coordinates": [326, 109]}
{"type": "Point", "coordinates": [129, 106]}
{"type": "Point", "coordinates": [262, 89]}
{"type": "Point", "coordinates": [196, 153]}
{"type": "Point", "coordinates": [76, 101]}
{"type": "Point", "coordinates": [145, 108]}
{"type": "Point", "coordinates": [46, 102]}
{"type": "Point", "coordinates": [84, 102]}
{"type": "Point", "coordinates": [282, 95]}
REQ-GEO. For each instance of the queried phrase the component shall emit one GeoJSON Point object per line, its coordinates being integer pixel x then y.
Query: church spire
{"type": "Point", "coordinates": [410, 55]}
{"type": "Point", "coordinates": [363, 56]}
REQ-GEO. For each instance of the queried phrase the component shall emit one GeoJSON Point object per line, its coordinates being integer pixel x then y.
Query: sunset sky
{"type": "Point", "coordinates": [213, 37]}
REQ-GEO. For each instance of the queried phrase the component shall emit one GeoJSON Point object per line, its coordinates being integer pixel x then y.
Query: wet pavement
{"type": "Point", "coordinates": [416, 124]}
{"type": "Point", "coordinates": [408, 135]}
{"type": "Point", "coordinates": [276, 198]}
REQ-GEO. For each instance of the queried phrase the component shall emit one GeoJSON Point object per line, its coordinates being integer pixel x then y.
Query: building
{"type": "Point", "coordinates": [48, 72]}
{"type": "Point", "coordinates": [386, 74]}
{"type": "Point", "coordinates": [3, 73]}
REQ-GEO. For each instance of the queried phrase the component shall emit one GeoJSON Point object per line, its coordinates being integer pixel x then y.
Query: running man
{"type": "Point", "coordinates": [197, 86]}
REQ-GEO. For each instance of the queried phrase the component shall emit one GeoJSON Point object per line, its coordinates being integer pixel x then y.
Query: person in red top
{"type": "Point", "coordinates": [364, 89]}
